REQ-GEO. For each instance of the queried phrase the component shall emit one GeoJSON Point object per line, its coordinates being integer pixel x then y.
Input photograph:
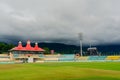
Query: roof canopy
{"type": "Point", "coordinates": [28, 47]}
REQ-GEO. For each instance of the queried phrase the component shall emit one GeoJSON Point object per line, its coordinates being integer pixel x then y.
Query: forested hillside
{"type": "Point", "coordinates": [66, 49]}
{"type": "Point", "coordinates": [4, 47]}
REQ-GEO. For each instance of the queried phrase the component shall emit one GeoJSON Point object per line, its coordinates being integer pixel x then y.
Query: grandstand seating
{"type": "Point", "coordinates": [4, 58]}
{"type": "Point", "coordinates": [50, 59]}
{"type": "Point", "coordinates": [3, 54]}
{"type": "Point", "coordinates": [52, 56]}
{"type": "Point", "coordinates": [21, 56]}
{"type": "Point", "coordinates": [25, 56]}
{"type": "Point", "coordinates": [82, 58]}
{"type": "Point", "coordinates": [35, 56]}
{"type": "Point", "coordinates": [113, 58]}
{"type": "Point", "coordinates": [97, 57]}
{"type": "Point", "coordinates": [41, 55]}
{"type": "Point", "coordinates": [16, 55]}
{"type": "Point", "coordinates": [56, 58]}
{"type": "Point", "coordinates": [18, 61]}
{"type": "Point", "coordinates": [67, 57]}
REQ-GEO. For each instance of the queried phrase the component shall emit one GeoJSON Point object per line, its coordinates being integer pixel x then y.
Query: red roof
{"type": "Point", "coordinates": [28, 47]}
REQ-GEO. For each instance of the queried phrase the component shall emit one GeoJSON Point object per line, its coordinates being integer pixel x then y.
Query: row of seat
{"type": "Point", "coordinates": [4, 56]}
{"type": "Point", "coordinates": [99, 58]}
{"type": "Point", "coordinates": [64, 57]}
{"type": "Point", "coordinates": [113, 58]}
{"type": "Point", "coordinates": [25, 56]}
{"type": "Point", "coordinates": [4, 59]}
{"type": "Point", "coordinates": [69, 57]}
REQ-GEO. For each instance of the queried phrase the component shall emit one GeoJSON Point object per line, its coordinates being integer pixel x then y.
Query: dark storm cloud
{"type": "Point", "coordinates": [60, 20]}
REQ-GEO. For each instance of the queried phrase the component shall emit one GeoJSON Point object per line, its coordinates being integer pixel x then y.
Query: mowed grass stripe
{"type": "Point", "coordinates": [61, 71]}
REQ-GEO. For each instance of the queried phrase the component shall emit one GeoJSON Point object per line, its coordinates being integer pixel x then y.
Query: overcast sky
{"type": "Point", "coordinates": [60, 21]}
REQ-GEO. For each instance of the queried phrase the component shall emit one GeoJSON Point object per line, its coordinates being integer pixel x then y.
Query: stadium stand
{"type": "Point", "coordinates": [97, 57]}
{"type": "Point", "coordinates": [16, 55]}
{"type": "Point", "coordinates": [35, 56]}
{"type": "Point", "coordinates": [51, 58]}
{"type": "Point", "coordinates": [82, 58]}
{"type": "Point", "coordinates": [21, 56]}
{"type": "Point", "coordinates": [41, 55]}
{"type": "Point", "coordinates": [113, 58]}
{"type": "Point", "coordinates": [4, 58]}
{"type": "Point", "coordinates": [67, 57]}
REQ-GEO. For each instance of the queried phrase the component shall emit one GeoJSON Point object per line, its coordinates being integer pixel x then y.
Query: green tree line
{"type": "Point", "coordinates": [4, 47]}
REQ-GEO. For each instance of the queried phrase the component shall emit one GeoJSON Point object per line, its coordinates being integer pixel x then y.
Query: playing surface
{"type": "Point", "coordinates": [61, 71]}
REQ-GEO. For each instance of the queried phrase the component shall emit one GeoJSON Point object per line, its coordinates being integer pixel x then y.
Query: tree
{"type": "Point", "coordinates": [47, 50]}
{"type": "Point", "coordinates": [4, 47]}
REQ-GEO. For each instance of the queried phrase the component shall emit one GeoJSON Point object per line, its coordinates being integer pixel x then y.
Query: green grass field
{"type": "Point", "coordinates": [61, 71]}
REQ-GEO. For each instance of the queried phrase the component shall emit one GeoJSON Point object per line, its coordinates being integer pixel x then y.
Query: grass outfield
{"type": "Point", "coordinates": [61, 71]}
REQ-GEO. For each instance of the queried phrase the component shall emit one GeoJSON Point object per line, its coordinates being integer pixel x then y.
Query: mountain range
{"type": "Point", "coordinates": [70, 49]}
{"type": "Point", "coordinates": [65, 48]}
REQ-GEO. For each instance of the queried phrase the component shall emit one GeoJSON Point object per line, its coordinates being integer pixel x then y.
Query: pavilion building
{"type": "Point", "coordinates": [27, 53]}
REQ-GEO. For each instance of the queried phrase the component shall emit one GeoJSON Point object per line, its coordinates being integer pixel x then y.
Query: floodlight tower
{"type": "Point", "coordinates": [90, 47]}
{"type": "Point", "coordinates": [80, 38]}
{"type": "Point", "coordinates": [90, 44]}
